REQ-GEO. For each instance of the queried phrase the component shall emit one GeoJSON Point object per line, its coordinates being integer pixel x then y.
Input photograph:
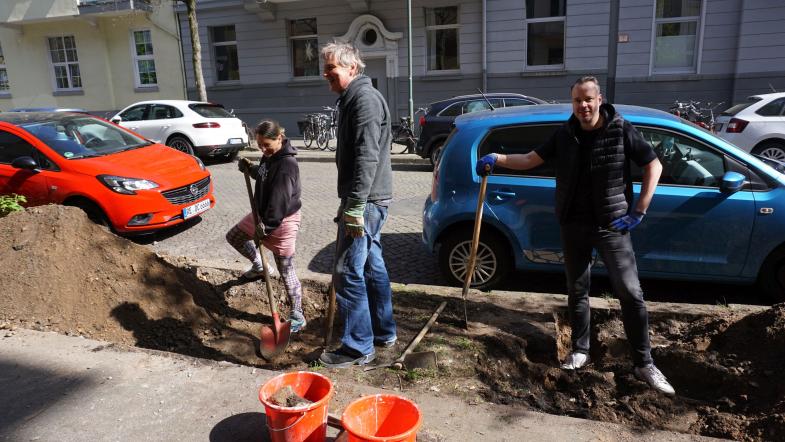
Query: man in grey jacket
{"type": "Point", "coordinates": [360, 277]}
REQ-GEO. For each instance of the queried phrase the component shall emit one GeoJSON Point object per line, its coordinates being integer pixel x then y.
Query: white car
{"type": "Point", "coordinates": [194, 127]}
{"type": "Point", "coordinates": [757, 125]}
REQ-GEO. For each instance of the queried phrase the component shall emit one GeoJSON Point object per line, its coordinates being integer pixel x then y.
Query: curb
{"type": "Point", "coordinates": [311, 156]}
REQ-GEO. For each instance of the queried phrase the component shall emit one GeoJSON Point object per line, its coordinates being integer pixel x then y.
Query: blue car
{"type": "Point", "coordinates": [718, 213]}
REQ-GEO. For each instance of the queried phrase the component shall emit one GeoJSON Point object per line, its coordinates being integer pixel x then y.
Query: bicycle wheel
{"type": "Point", "coordinates": [308, 135]}
{"type": "Point", "coordinates": [332, 146]}
{"type": "Point", "coordinates": [403, 137]}
{"type": "Point", "coordinates": [322, 138]}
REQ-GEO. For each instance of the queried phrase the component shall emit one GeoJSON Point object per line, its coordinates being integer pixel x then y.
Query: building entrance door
{"type": "Point", "coordinates": [376, 69]}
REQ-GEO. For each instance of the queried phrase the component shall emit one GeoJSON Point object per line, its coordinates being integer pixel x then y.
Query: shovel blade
{"type": "Point", "coordinates": [421, 359]}
{"type": "Point", "coordinates": [274, 340]}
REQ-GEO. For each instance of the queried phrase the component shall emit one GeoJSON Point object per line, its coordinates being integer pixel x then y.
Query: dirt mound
{"type": "Point", "coordinates": [63, 273]}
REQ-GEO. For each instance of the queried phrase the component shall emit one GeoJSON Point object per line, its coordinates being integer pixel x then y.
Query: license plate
{"type": "Point", "coordinates": [235, 141]}
{"type": "Point", "coordinates": [196, 209]}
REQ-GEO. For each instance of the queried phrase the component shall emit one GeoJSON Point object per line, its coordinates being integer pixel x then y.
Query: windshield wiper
{"type": "Point", "coordinates": [137, 146]}
{"type": "Point", "coordinates": [85, 155]}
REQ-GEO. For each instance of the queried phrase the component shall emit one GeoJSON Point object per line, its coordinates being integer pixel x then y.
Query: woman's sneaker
{"type": "Point", "coordinates": [654, 377]}
{"type": "Point", "coordinates": [297, 322]}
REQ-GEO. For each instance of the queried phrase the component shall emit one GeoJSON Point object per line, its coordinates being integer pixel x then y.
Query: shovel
{"type": "Point", "coordinates": [272, 341]}
{"type": "Point", "coordinates": [467, 281]}
{"type": "Point", "coordinates": [422, 359]}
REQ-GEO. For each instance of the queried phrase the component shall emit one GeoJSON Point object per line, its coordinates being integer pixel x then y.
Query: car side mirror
{"type": "Point", "coordinates": [732, 182]}
{"type": "Point", "coordinates": [25, 163]}
{"type": "Point", "coordinates": [116, 120]}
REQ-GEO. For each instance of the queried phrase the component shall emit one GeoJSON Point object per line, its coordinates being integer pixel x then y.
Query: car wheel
{"type": "Point", "coordinates": [93, 212]}
{"type": "Point", "coordinates": [771, 279]}
{"type": "Point", "coordinates": [771, 149]}
{"type": "Point", "coordinates": [436, 152]}
{"type": "Point", "coordinates": [493, 258]}
{"type": "Point", "coordinates": [182, 144]}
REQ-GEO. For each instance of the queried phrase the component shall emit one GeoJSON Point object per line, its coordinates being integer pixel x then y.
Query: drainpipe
{"type": "Point", "coordinates": [409, 49]}
{"type": "Point", "coordinates": [485, 45]}
{"type": "Point", "coordinates": [180, 51]}
{"type": "Point", "coordinates": [613, 45]}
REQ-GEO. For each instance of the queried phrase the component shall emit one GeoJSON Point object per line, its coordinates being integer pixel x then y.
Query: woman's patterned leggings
{"type": "Point", "coordinates": [243, 244]}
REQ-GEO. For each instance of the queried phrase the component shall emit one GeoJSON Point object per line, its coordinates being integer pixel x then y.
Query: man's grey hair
{"type": "Point", "coordinates": [345, 54]}
{"type": "Point", "coordinates": [587, 79]}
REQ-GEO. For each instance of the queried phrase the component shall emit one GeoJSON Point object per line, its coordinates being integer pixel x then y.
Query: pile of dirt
{"type": "Point", "coordinates": [61, 272]}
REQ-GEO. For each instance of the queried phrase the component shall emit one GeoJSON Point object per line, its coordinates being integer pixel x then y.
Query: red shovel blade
{"type": "Point", "coordinates": [275, 339]}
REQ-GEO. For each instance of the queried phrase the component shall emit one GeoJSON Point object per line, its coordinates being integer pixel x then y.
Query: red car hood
{"type": "Point", "coordinates": [163, 165]}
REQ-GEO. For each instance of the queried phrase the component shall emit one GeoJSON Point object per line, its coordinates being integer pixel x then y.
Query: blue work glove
{"type": "Point", "coordinates": [486, 163]}
{"type": "Point", "coordinates": [626, 222]}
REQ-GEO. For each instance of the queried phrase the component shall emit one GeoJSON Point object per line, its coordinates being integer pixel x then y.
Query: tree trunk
{"type": "Point", "coordinates": [197, 49]}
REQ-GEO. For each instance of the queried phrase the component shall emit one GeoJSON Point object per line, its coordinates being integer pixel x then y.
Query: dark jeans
{"type": "Point", "coordinates": [362, 286]}
{"type": "Point", "coordinates": [615, 249]}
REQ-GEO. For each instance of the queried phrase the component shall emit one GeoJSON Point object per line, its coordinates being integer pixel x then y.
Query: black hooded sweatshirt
{"type": "Point", "coordinates": [277, 189]}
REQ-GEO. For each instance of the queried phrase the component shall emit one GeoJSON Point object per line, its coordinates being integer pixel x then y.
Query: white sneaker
{"type": "Point", "coordinates": [654, 377]}
{"type": "Point", "coordinates": [575, 361]}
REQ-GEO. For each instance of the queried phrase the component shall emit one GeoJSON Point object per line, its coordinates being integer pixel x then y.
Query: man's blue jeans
{"type": "Point", "coordinates": [362, 286]}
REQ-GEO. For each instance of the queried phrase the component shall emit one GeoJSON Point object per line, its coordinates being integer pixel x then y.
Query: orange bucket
{"type": "Point", "coordinates": [298, 424]}
{"type": "Point", "coordinates": [382, 417]}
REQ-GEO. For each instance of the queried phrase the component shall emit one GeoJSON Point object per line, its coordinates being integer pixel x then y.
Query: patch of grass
{"type": "Point", "coordinates": [608, 296]}
{"type": "Point", "coordinates": [315, 365]}
{"type": "Point", "coordinates": [722, 303]}
{"type": "Point", "coordinates": [419, 374]}
{"type": "Point", "coordinates": [465, 343]}
{"type": "Point", "coordinates": [11, 203]}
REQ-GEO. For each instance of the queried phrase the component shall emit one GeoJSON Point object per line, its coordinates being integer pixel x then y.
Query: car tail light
{"type": "Point", "coordinates": [422, 120]}
{"type": "Point", "coordinates": [736, 125]}
{"type": "Point", "coordinates": [435, 184]}
{"type": "Point", "coordinates": [208, 125]}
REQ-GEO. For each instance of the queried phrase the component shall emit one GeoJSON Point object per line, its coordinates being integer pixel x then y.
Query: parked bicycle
{"type": "Point", "coordinates": [404, 134]}
{"type": "Point", "coordinates": [329, 123]}
{"type": "Point", "coordinates": [693, 111]}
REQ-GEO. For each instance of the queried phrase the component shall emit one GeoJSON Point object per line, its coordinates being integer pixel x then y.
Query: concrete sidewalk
{"type": "Point", "coordinates": [320, 156]}
{"type": "Point", "coordinates": [55, 387]}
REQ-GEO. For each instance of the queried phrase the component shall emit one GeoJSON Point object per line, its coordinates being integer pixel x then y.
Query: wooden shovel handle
{"type": "Point", "coordinates": [398, 364]}
{"type": "Point", "coordinates": [258, 242]}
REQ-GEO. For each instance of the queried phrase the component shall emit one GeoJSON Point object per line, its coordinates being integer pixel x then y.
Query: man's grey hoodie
{"type": "Point", "coordinates": [364, 137]}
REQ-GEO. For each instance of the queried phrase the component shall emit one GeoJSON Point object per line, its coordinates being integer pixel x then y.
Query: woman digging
{"type": "Point", "coordinates": [277, 195]}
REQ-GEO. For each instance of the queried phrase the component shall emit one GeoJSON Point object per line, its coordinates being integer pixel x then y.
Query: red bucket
{"type": "Point", "coordinates": [298, 424]}
{"type": "Point", "coordinates": [382, 417]}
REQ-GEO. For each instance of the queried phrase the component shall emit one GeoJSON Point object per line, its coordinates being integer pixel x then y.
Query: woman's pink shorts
{"type": "Point", "coordinates": [280, 241]}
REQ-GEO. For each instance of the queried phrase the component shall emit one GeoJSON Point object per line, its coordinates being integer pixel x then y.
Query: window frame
{"type": "Point", "coordinates": [3, 68]}
{"type": "Point", "coordinates": [290, 42]}
{"type": "Point", "coordinates": [431, 28]}
{"type": "Point", "coordinates": [66, 64]}
{"type": "Point", "coordinates": [699, 29]}
{"type": "Point", "coordinates": [136, 58]}
{"type": "Point", "coordinates": [540, 171]}
{"type": "Point", "coordinates": [544, 67]}
{"type": "Point", "coordinates": [214, 44]}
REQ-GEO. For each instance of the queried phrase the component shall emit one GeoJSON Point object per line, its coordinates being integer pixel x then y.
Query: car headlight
{"type": "Point", "coordinates": [125, 185]}
{"type": "Point", "coordinates": [199, 162]}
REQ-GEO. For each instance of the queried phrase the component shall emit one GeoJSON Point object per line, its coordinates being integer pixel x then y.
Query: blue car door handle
{"type": "Point", "coordinates": [499, 195]}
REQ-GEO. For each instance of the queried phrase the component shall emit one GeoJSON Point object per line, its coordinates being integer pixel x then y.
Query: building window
{"type": "Point", "coordinates": [545, 33]}
{"type": "Point", "coordinates": [227, 65]}
{"type": "Point", "coordinates": [676, 29]}
{"type": "Point", "coordinates": [4, 86]}
{"type": "Point", "coordinates": [144, 62]}
{"type": "Point", "coordinates": [65, 62]}
{"type": "Point", "coordinates": [441, 33]}
{"type": "Point", "coordinates": [304, 41]}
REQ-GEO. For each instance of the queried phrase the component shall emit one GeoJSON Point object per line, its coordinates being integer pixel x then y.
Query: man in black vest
{"type": "Point", "coordinates": [594, 208]}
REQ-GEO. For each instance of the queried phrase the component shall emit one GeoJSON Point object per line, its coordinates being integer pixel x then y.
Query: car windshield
{"type": "Point", "coordinates": [210, 110]}
{"type": "Point", "coordinates": [731, 111]}
{"type": "Point", "coordinates": [77, 136]}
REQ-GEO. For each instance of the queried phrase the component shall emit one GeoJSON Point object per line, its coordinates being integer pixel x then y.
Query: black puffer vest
{"type": "Point", "coordinates": [611, 192]}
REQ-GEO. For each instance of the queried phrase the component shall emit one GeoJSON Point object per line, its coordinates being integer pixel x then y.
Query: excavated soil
{"type": "Point", "coordinates": [62, 273]}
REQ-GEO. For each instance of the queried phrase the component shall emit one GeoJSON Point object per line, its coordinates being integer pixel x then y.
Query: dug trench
{"type": "Point", "coordinates": [62, 273]}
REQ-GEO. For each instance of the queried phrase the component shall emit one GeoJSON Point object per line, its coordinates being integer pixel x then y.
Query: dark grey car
{"type": "Point", "coordinates": [436, 124]}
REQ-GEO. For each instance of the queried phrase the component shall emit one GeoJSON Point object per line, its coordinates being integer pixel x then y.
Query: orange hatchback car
{"type": "Point", "coordinates": [118, 178]}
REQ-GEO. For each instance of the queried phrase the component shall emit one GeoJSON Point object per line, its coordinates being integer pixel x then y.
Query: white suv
{"type": "Point", "coordinates": [194, 127]}
{"type": "Point", "coordinates": [757, 125]}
